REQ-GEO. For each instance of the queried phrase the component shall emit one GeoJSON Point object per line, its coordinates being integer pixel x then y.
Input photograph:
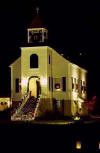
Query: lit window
{"type": "Point", "coordinates": [99, 145]}
{"type": "Point", "coordinates": [33, 61]}
{"type": "Point", "coordinates": [57, 86]}
{"type": "Point", "coordinates": [78, 145]}
{"type": "Point", "coordinates": [1, 103]}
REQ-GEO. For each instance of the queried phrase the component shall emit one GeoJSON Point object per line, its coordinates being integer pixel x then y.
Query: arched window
{"type": "Point", "coordinates": [33, 61]}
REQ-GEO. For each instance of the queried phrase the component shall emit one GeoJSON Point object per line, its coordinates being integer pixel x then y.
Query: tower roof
{"type": "Point", "coordinates": [36, 22]}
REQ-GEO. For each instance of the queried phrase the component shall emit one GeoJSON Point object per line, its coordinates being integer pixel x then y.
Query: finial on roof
{"type": "Point", "coordinates": [37, 10]}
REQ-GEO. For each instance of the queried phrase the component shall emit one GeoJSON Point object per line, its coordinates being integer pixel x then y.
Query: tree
{"type": "Point", "coordinates": [91, 105]}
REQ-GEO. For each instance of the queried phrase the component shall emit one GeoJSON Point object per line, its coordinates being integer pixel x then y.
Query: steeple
{"type": "Point", "coordinates": [37, 10]}
{"type": "Point", "coordinates": [37, 33]}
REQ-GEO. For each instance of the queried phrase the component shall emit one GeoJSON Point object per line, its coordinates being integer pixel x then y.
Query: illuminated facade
{"type": "Point", "coordinates": [5, 103]}
{"type": "Point", "coordinates": [42, 72]}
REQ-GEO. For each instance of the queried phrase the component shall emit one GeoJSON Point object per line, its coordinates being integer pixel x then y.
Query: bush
{"type": "Point", "coordinates": [50, 115]}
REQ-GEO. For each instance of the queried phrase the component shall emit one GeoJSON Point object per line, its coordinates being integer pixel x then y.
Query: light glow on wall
{"type": "Point", "coordinates": [24, 81]}
{"type": "Point", "coordinates": [75, 96]}
{"type": "Point", "coordinates": [80, 101]}
{"type": "Point", "coordinates": [7, 100]}
{"type": "Point", "coordinates": [43, 81]}
{"type": "Point", "coordinates": [77, 118]}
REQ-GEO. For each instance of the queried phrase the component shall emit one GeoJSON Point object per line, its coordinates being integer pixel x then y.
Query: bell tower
{"type": "Point", "coordinates": [36, 32]}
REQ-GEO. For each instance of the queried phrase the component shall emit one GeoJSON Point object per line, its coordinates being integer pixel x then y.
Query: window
{"type": "Point", "coordinates": [45, 34]}
{"type": "Point", "coordinates": [72, 83]}
{"type": "Point", "coordinates": [63, 106]}
{"type": "Point", "coordinates": [49, 59]}
{"type": "Point", "coordinates": [35, 36]}
{"type": "Point", "coordinates": [20, 84]}
{"type": "Point", "coordinates": [50, 84]}
{"type": "Point", "coordinates": [77, 85]}
{"type": "Point", "coordinates": [85, 89]}
{"type": "Point", "coordinates": [81, 86]}
{"type": "Point", "coordinates": [84, 86]}
{"type": "Point", "coordinates": [33, 61]}
{"type": "Point", "coordinates": [64, 83]}
{"type": "Point", "coordinates": [40, 31]}
{"type": "Point", "coordinates": [78, 145]}
{"type": "Point", "coordinates": [99, 145]}
{"type": "Point", "coordinates": [58, 104]}
{"type": "Point", "coordinates": [83, 83]}
{"type": "Point", "coordinates": [58, 84]}
{"type": "Point", "coordinates": [17, 85]}
{"type": "Point", "coordinates": [75, 80]}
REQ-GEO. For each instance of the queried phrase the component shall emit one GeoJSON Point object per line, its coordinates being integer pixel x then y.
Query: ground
{"type": "Point", "coordinates": [51, 135]}
{"type": "Point", "coordinates": [58, 122]}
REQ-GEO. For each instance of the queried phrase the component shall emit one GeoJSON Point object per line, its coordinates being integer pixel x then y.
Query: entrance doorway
{"type": "Point", "coordinates": [34, 87]}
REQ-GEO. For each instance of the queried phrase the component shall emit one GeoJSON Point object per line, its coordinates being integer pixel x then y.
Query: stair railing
{"type": "Point", "coordinates": [25, 98]}
{"type": "Point", "coordinates": [37, 106]}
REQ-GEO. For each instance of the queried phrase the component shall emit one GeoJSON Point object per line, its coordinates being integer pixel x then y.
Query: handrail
{"type": "Point", "coordinates": [18, 111]}
{"type": "Point", "coordinates": [38, 102]}
{"type": "Point", "coordinates": [25, 98]}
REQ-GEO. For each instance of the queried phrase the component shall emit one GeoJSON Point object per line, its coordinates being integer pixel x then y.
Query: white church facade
{"type": "Point", "coordinates": [42, 73]}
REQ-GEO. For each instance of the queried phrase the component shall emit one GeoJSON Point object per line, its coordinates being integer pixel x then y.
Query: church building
{"type": "Point", "coordinates": [43, 81]}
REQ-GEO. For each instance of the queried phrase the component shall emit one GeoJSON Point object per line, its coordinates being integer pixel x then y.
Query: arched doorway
{"type": "Point", "coordinates": [34, 87]}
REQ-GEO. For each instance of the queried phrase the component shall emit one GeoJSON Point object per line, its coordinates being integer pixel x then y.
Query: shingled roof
{"type": "Point", "coordinates": [36, 22]}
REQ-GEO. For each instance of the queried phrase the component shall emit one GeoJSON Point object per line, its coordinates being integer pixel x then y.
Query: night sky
{"type": "Point", "coordinates": [74, 30]}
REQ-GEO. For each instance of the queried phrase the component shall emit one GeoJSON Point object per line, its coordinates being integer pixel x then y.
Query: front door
{"type": "Point", "coordinates": [33, 87]}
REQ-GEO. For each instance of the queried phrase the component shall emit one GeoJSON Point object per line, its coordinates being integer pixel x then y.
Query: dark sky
{"type": "Point", "coordinates": [74, 28]}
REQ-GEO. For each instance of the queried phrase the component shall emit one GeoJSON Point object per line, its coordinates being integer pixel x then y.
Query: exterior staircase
{"type": "Point", "coordinates": [27, 110]}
